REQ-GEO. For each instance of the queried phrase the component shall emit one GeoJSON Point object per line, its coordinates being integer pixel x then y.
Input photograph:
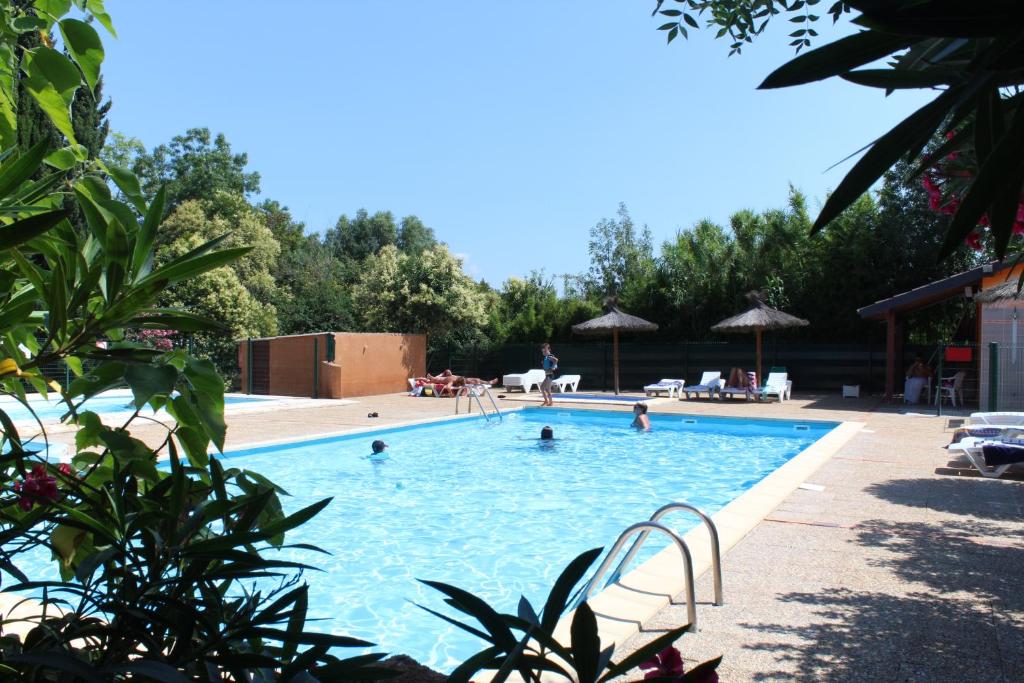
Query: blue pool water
{"type": "Point", "coordinates": [102, 404]}
{"type": "Point", "coordinates": [490, 509]}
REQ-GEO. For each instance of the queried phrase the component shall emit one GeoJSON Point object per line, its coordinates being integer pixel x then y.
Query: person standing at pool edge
{"type": "Point", "coordinates": [550, 364]}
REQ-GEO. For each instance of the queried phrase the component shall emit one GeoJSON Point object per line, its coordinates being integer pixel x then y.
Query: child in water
{"type": "Point", "coordinates": [640, 419]}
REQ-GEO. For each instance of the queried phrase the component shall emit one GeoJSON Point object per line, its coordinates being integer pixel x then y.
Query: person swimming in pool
{"type": "Point", "coordinates": [547, 433]}
{"type": "Point", "coordinates": [378, 455]}
{"type": "Point", "coordinates": [640, 419]}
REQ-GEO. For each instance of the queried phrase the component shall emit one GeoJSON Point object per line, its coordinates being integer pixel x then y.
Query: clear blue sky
{"type": "Point", "coordinates": [510, 128]}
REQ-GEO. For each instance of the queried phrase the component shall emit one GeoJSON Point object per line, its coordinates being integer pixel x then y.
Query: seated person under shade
{"type": "Point", "coordinates": [917, 377]}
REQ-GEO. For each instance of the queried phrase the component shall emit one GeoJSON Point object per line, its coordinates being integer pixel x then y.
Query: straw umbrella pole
{"type": "Point", "coordinates": [613, 321]}
{"type": "Point", "coordinates": [759, 317]}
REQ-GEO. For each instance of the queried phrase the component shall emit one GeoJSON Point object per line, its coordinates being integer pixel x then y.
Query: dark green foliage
{"type": "Point", "coordinates": [414, 237]}
{"type": "Point", "coordinates": [315, 294]}
{"type": "Point", "coordinates": [524, 643]}
{"type": "Point", "coordinates": [196, 165]}
{"type": "Point", "coordinates": [364, 235]}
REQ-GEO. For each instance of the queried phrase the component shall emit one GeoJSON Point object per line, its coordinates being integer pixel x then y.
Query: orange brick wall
{"type": "Point", "coordinates": [364, 364]}
{"type": "Point", "coordinates": [379, 363]}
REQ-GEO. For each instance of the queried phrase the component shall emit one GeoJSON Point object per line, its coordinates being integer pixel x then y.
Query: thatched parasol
{"type": "Point", "coordinates": [1008, 291]}
{"type": "Point", "coordinates": [758, 318]}
{"type": "Point", "coordinates": [613, 321]}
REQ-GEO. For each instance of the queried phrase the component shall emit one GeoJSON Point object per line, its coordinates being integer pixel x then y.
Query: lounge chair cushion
{"type": "Point", "coordinates": [1002, 454]}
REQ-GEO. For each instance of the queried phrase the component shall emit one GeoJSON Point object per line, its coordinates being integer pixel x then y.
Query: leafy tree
{"type": "Point", "coordinates": [315, 295]}
{"type": "Point", "coordinates": [121, 151]}
{"type": "Point", "coordinates": [414, 236]}
{"type": "Point", "coordinates": [400, 292]}
{"type": "Point", "coordinates": [620, 257]}
{"type": "Point", "coordinates": [239, 295]}
{"type": "Point", "coordinates": [288, 232]}
{"type": "Point", "coordinates": [362, 236]}
{"type": "Point", "coordinates": [196, 165]}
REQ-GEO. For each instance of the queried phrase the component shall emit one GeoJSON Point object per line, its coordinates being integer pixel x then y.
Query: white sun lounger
{"type": "Point", "coordinates": [672, 386]}
{"type": "Point", "coordinates": [709, 382]}
{"type": "Point", "coordinates": [724, 391]}
{"type": "Point", "coordinates": [973, 449]}
{"type": "Point", "coordinates": [996, 419]}
{"type": "Point", "coordinates": [778, 384]}
{"type": "Point", "coordinates": [570, 381]}
{"type": "Point", "coordinates": [524, 380]}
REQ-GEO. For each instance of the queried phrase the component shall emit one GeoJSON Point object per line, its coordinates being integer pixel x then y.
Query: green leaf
{"type": "Point", "coordinates": [901, 79]}
{"type": "Point", "coordinates": [559, 595]}
{"type": "Point", "coordinates": [169, 319]}
{"type": "Point", "coordinates": [480, 610]}
{"type": "Point", "coordinates": [148, 380]}
{"type": "Point", "coordinates": [14, 173]}
{"type": "Point", "coordinates": [836, 58]}
{"type": "Point", "coordinates": [22, 231]}
{"type": "Point", "coordinates": [644, 654]}
{"type": "Point", "coordinates": [62, 159]}
{"type": "Point", "coordinates": [96, 9]}
{"type": "Point", "coordinates": [85, 47]}
{"type": "Point", "coordinates": [884, 153]}
{"type": "Point", "coordinates": [182, 269]}
{"type": "Point", "coordinates": [142, 253]}
{"type": "Point", "coordinates": [55, 660]}
{"type": "Point", "coordinates": [53, 8]}
{"type": "Point", "coordinates": [586, 644]}
{"type": "Point", "coordinates": [51, 79]}
{"type": "Point", "coordinates": [128, 183]}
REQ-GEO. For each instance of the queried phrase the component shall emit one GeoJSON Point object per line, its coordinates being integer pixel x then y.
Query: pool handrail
{"type": "Point", "coordinates": [645, 528]}
{"type": "Point", "coordinates": [716, 554]}
{"type": "Point", "coordinates": [474, 391]}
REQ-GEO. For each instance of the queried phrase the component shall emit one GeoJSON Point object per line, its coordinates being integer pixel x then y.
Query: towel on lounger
{"type": "Point", "coordinates": [1002, 454]}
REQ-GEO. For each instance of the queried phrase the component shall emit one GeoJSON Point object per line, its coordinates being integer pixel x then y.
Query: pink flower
{"type": "Point", "coordinates": [38, 487]}
{"type": "Point", "coordinates": [65, 469]}
{"type": "Point", "coordinates": [667, 664]}
{"type": "Point", "coordinates": [973, 240]}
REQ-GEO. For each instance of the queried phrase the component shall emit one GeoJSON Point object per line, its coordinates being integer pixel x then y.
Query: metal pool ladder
{"type": "Point", "coordinates": [476, 392]}
{"type": "Point", "coordinates": [644, 530]}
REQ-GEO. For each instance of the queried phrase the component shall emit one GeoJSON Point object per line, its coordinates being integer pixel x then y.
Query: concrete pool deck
{"type": "Point", "coordinates": [901, 568]}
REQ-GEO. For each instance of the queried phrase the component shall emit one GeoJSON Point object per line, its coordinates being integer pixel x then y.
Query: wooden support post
{"type": "Point", "coordinates": [615, 358]}
{"type": "Point", "coordinates": [760, 377]}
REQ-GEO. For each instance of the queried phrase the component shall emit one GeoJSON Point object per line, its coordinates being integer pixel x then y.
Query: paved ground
{"type": "Point", "coordinates": [901, 569]}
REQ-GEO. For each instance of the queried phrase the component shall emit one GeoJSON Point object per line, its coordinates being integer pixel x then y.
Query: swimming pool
{"type": "Point", "coordinates": [104, 404]}
{"type": "Point", "coordinates": [489, 508]}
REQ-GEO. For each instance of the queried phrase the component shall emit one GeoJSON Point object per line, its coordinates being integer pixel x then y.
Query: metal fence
{"type": "Point", "coordinates": [818, 367]}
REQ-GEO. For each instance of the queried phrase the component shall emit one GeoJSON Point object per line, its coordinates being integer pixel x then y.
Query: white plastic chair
{"type": "Point", "coordinates": [524, 380]}
{"type": "Point", "coordinates": [709, 382]}
{"type": "Point", "coordinates": [972, 448]}
{"type": "Point", "coordinates": [953, 387]}
{"type": "Point", "coordinates": [778, 384]}
{"type": "Point", "coordinates": [570, 381]}
{"type": "Point", "coordinates": [672, 386]}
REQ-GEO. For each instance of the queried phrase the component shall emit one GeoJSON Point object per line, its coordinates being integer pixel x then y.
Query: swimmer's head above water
{"type": "Point", "coordinates": [547, 433]}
